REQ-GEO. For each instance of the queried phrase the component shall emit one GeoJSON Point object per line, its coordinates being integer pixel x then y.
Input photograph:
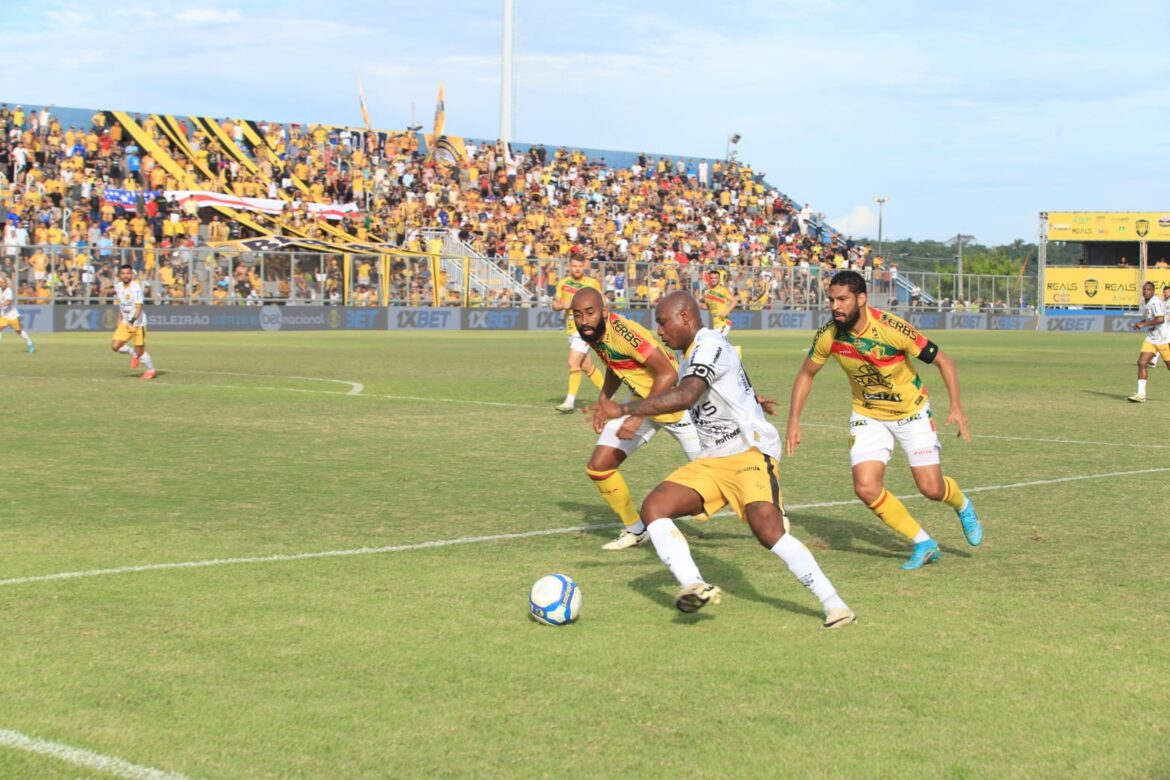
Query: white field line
{"type": "Point", "coordinates": [85, 758]}
{"type": "Point", "coordinates": [69, 575]}
{"type": "Point", "coordinates": [355, 388]}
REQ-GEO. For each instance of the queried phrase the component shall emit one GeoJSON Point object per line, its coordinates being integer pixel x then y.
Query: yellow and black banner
{"type": "Point", "coordinates": [1107, 287]}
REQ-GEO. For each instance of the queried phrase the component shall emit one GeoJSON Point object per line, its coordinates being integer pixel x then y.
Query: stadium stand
{"type": "Point", "coordinates": [239, 211]}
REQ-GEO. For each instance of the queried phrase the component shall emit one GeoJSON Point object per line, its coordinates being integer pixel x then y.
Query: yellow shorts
{"type": "Point", "coordinates": [1159, 349]}
{"type": "Point", "coordinates": [13, 323]}
{"type": "Point", "coordinates": [126, 332]}
{"type": "Point", "coordinates": [737, 480]}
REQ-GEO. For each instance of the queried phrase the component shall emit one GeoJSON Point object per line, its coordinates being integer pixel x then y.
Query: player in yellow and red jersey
{"type": "Point", "coordinates": [634, 358]}
{"type": "Point", "coordinates": [720, 302]}
{"type": "Point", "coordinates": [578, 350]}
{"type": "Point", "coordinates": [889, 403]}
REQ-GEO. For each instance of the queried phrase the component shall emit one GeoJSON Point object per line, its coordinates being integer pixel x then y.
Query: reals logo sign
{"type": "Point", "coordinates": [1091, 287]}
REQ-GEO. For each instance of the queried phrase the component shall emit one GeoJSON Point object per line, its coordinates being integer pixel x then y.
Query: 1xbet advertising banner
{"type": "Point", "coordinates": [36, 318]}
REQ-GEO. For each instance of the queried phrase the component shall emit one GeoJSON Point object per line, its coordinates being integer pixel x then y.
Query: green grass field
{"type": "Point", "coordinates": [1042, 653]}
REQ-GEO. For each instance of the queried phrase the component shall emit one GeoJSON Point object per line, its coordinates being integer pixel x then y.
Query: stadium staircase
{"type": "Point", "coordinates": [486, 276]}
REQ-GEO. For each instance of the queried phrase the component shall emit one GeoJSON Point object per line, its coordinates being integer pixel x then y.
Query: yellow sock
{"type": "Point", "coordinates": [595, 376]}
{"type": "Point", "coordinates": [894, 514]}
{"type": "Point", "coordinates": [616, 493]}
{"type": "Point", "coordinates": [574, 381]}
{"type": "Point", "coordinates": [953, 497]}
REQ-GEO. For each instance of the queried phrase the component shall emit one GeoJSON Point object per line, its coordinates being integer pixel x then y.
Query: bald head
{"type": "Point", "coordinates": [678, 319]}
{"type": "Point", "coordinates": [586, 296]}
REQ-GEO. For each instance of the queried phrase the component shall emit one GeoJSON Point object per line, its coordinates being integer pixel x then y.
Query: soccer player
{"type": "Point", "coordinates": [1157, 341]}
{"type": "Point", "coordinates": [10, 315]}
{"type": "Point", "coordinates": [720, 302]}
{"type": "Point", "coordinates": [578, 350]}
{"type": "Point", "coordinates": [632, 357]}
{"type": "Point", "coordinates": [889, 404]}
{"type": "Point", "coordinates": [131, 321]}
{"type": "Point", "coordinates": [737, 462]}
{"type": "Point", "coordinates": [1166, 311]}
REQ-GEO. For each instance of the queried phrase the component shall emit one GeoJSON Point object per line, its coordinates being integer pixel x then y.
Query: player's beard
{"type": "Point", "coordinates": [846, 325]}
{"type": "Point", "coordinates": [598, 333]}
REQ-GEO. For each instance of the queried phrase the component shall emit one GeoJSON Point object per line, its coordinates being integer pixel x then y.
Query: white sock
{"type": "Point", "coordinates": [24, 335]}
{"type": "Point", "coordinates": [570, 400]}
{"type": "Point", "coordinates": [636, 528]}
{"type": "Point", "coordinates": [146, 361]}
{"type": "Point", "coordinates": [126, 349]}
{"type": "Point", "coordinates": [1141, 387]}
{"type": "Point", "coordinates": [804, 567]}
{"type": "Point", "coordinates": [673, 550]}
{"type": "Point", "coordinates": [921, 536]}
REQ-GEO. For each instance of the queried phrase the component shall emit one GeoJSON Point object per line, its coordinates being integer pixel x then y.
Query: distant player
{"type": "Point", "coordinates": [737, 465]}
{"type": "Point", "coordinates": [1166, 312]}
{"type": "Point", "coordinates": [578, 350]}
{"type": "Point", "coordinates": [632, 357]}
{"type": "Point", "coordinates": [720, 302]}
{"type": "Point", "coordinates": [131, 321]}
{"type": "Point", "coordinates": [1157, 341]}
{"type": "Point", "coordinates": [889, 405]}
{"type": "Point", "coordinates": [10, 315]}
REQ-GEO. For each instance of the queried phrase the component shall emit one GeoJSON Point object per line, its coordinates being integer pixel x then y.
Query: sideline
{"type": "Point", "coordinates": [203, 564]}
{"type": "Point", "coordinates": [86, 758]}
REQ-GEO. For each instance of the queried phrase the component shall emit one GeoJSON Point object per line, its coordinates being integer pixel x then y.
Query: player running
{"type": "Point", "coordinates": [720, 302]}
{"type": "Point", "coordinates": [578, 350]}
{"type": "Point", "coordinates": [632, 357]}
{"type": "Point", "coordinates": [889, 404]}
{"type": "Point", "coordinates": [737, 464]}
{"type": "Point", "coordinates": [10, 315]}
{"type": "Point", "coordinates": [131, 321]}
{"type": "Point", "coordinates": [1157, 341]}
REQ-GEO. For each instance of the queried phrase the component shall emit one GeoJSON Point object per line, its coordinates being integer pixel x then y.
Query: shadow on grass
{"type": "Point", "coordinates": [1103, 394]}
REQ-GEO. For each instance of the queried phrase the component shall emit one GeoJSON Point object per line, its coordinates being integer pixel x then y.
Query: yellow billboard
{"type": "Point", "coordinates": [1088, 286]}
{"type": "Point", "coordinates": [1108, 226]}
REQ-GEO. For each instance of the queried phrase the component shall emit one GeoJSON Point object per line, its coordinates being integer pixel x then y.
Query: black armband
{"type": "Point", "coordinates": [929, 352]}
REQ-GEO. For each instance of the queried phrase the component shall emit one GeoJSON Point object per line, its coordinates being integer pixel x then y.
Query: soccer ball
{"type": "Point", "coordinates": [555, 600]}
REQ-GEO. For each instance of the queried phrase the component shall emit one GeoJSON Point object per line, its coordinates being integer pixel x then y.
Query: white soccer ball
{"type": "Point", "coordinates": [555, 600]}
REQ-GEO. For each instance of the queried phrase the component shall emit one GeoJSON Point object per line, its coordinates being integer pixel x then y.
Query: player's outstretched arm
{"type": "Point", "coordinates": [683, 396]}
{"type": "Point", "coordinates": [800, 390]}
{"type": "Point", "coordinates": [950, 378]}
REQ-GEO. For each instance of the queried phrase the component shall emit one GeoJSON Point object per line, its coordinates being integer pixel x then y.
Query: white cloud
{"type": "Point", "coordinates": [862, 221]}
{"type": "Point", "coordinates": [208, 15]}
{"type": "Point", "coordinates": [69, 18]}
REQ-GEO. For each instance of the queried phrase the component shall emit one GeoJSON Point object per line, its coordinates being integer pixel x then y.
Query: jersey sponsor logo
{"type": "Point", "coordinates": [899, 325]}
{"type": "Point", "coordinates": [624, 331]}
{"type": "Point", "coordinates": [856, 423]}
{"type": "Point", "coordinates": [726, 437]}
{"type": "Point", "coordinates": [869, 376]}
{"type": "Point", "coordinates": [746, 469]}
{"type": "Point", "coordinates": [895, 397]}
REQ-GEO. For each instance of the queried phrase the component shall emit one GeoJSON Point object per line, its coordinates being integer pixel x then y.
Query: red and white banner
{"type": "Point", "coordinates": [266, 205]}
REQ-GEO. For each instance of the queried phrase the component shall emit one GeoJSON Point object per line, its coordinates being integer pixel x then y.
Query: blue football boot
{"type": "Point", "coordinates": [924, 553]}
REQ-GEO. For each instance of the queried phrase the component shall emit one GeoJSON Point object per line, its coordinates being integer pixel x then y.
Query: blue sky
{"type": "Point", "coordinates": [970, 117]}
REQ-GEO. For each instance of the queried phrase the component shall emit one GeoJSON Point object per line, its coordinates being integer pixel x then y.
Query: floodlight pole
{"type": "Point", "coordinates": [506, 76]}
{"type": "Point", "coordinates": [959, 239]}
{"type": "Point", "coordinates": [881, 200]}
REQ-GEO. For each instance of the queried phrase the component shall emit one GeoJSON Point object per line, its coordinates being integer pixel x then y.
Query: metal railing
{"type": "Point", "coordinates": [190, 275]}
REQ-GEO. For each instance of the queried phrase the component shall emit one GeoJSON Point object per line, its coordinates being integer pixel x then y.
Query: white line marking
{"type": "Point", "coordinates": [85, 758]}
{"type": "Point", "coordinates": [1077, 441]}
{"type": "Point", "coordinates": [69, 575]}
{"type": "Point", "coordinates": [355, 388]}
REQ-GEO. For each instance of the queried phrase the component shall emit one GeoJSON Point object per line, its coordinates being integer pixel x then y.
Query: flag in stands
{"type": "Point", "coordinates": [126, 198]}
{"type": "Point", "coordinates": [365, 111]}
{"type": "Point", "coordinates": [440, 114]}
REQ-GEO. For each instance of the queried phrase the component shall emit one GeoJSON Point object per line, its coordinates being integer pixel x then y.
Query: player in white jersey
{"type": "Point", "coordinates": [131, 321]}
{"type": "Point", "coordinates": [1166, 310]}
{"type": "Point", "coordinates": [737, 463]}
{"type": "Point", "coordinates": [1157, 341]}
{"type": "Point", "coordinates": [9, 315]}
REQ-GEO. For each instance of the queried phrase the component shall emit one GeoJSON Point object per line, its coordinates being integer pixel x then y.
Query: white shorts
{"type": "Point", "coordinates": [723, 331]}
{"type": "Point", "coordinates": [577, 344]}
{"type": "Point", "coordinates": [871, 439]}
{"type": "Point", "coordinates": [683, 431]}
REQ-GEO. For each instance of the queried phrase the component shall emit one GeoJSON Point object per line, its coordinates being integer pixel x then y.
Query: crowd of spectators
{"type": "Point", "coordinates": [656, 225]}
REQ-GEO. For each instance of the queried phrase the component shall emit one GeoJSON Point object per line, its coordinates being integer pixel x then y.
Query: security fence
{"type": "Point", "coordinates": [392, 277]}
